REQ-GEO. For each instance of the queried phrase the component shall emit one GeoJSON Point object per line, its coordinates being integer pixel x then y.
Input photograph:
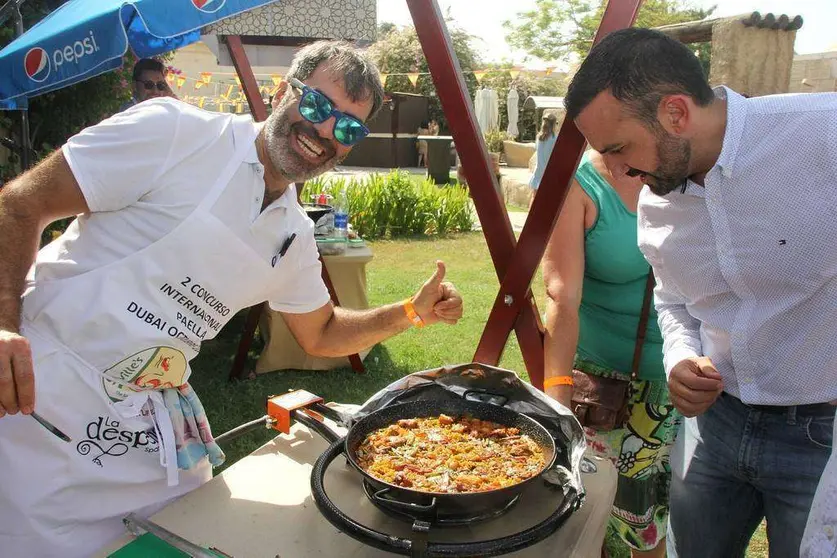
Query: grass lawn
{"type": "Point", "coordinates": [512, 207]}
{"type": "Point", "coordinates": [397, 271]}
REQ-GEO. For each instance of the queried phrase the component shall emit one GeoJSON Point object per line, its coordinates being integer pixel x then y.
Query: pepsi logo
{"type": "Point", "coordinates": [209, 6]}
{"type": "Point", "coordinates": [36, 64]}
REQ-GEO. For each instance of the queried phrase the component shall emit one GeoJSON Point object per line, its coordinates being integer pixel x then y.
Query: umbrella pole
{"type": "Point", "coordinates": [24, 114]}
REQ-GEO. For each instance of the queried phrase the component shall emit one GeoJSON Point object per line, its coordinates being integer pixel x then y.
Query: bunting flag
{"type": "Point", "coordinates": [180, 81]}
{"type": "Point", "coordinates": [479, 76]}
{"type": "Point", "coordinates": [170, 78]}
{"type": "Point", "coordinates": [198, 84]}
{"type": "Point", "coordinates": [514, 73]}
{"type": "Point", "coordinates": [201, 102]}
{"type": "Point", "coordinates": [549, 70]}
{"type": "Point", "coordinates": [206, 78]}
{"type": "Point", "coordinates": [413, 78]}
{"type": "Point", "coordinates": [276, 78]}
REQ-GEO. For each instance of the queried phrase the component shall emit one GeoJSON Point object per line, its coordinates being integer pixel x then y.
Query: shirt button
{"type": "Point", "coordinates": [747, 380]}
{"type": "Point", "coordinates": [829, 531]}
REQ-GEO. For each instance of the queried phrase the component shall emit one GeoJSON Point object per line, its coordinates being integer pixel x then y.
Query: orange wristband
{"type": "Point", "coordinates": [558, 381]}
{"type": "Point", "coordinates": [410, 310]}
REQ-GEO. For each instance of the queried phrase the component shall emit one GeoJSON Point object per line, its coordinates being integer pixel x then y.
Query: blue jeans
{"type": "Point", "coordinates": [734, 466]}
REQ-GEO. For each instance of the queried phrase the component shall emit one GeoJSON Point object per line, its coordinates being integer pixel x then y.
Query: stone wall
{"type": "Point", "coordinates": [518, 154]}
{"type": "Point", "coordinates": [814, 73]}
{"type": "Point", "coordinates": [326, 19]}
{"type": "Point", "coordinates": [750, 60]}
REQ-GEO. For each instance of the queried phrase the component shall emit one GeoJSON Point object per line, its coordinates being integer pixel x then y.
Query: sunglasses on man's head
{"type": "Point", "coordinates": [150, 84]}
{"type": "Point", "coordinates": [316, 108]}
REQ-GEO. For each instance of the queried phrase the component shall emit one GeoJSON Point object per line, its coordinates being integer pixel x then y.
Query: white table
{"type": "Point", "coordinates": [261, 507]}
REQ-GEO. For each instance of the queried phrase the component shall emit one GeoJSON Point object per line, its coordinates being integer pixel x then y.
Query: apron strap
{"type": "Point", "coordinates": [244, 134]}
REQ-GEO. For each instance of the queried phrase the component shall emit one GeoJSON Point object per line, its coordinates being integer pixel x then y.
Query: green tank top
{"type": "Point", "coordinates": [614, 285]}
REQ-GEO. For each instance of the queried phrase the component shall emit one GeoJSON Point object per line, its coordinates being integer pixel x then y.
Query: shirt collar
{"type": "Point", "coordinates": [736, 115]}
{"type": "Point", "coordinates": [253, 155]}
{"type": "Point", "coordinates": [288, 197]}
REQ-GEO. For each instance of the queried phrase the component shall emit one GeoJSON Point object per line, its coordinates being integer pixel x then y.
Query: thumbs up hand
{"type": "Point", "coordinates": [438, 300]}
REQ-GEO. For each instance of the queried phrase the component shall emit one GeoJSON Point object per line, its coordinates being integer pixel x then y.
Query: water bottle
{"type": "Point", "coordinates": [341, 215]}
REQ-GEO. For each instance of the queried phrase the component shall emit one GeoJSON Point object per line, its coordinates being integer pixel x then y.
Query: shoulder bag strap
{"type": "Point", "coordinates": [642, 327]}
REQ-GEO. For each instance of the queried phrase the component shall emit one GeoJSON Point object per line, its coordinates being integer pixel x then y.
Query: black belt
{"type": "Point", "coordinates": [810, 410]}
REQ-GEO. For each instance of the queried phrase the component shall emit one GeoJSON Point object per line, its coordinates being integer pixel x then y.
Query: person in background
{"type": "Point", "coordinates": [421, 145]}
{"type": "Point", "coordinates": [738, 222]}
{"type": "Point", "coordinates": [148, 82]}
{"type": "Point", "coordinates": [543, 149]}
{"type": "Point", "coordinates": [595, 280]}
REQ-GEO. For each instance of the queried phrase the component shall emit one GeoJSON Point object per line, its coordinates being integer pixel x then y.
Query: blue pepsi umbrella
{"type": "Point", "coordinates": [84, 38]}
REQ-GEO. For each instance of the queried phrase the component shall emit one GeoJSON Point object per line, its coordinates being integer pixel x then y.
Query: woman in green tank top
{"type": "Point", "coordinates": [595, 278]}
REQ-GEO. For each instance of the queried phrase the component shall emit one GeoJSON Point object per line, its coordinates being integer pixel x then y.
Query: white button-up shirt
{"type": "Point", "coordinates": [746, 266]}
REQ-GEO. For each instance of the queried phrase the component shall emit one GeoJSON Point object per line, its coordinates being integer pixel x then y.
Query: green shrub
{"type": "Point", "coordinates": [393, 205]}
{"type": "Point", "coordinates": [494, 140]}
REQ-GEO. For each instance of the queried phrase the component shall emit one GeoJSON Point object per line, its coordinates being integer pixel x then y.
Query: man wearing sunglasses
{"type": "Point", "coordinates": [148, 82]}
{"type": "Point", "coordinates": [185, 217]}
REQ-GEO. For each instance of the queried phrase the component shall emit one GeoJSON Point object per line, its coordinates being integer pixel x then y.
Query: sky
{"type": "Point", "coordinates": [484, 19]}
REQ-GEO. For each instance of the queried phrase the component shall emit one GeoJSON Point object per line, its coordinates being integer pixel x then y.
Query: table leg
{"type": "Point", "coordinates": [250, 325]}
{"type": "Point", "coordinates": [354, 359]}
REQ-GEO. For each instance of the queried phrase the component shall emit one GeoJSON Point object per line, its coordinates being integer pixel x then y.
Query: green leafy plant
{"type": "Point", "coordinates": [392, 205]}
{"type": "Point", "coordinates": [494, 140]}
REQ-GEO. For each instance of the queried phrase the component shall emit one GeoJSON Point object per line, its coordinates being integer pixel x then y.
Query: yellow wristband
{"type": "Point", "coordinates": [410, 310]}
{"type": "Point", "coordinates": [558, 381]}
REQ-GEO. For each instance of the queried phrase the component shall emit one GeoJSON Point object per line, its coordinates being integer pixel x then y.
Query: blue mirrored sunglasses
{"type": "Point", "coordinates": [316, 108]}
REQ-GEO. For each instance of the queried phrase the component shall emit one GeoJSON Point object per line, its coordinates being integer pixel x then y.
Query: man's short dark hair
{"type": "Point", "coordinates": [639, 67]}
{"type": "Point", "coordinates": [147, 65]}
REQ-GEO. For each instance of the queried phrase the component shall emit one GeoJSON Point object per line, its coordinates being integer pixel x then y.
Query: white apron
{"type": "Point", "coordinates": [132, 326]}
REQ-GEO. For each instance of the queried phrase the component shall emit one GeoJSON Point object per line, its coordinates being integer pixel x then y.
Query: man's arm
{"type": "Point", "coordinates": [27, 205]}
{"type": "Point", "coordinates": [693, 382]}
{"type": "Point", "coordinates": [680, 330]}
{"type": "Point", "coordinates": [563, 275]}
{"type": "Point", "coordinates": [331, 332]}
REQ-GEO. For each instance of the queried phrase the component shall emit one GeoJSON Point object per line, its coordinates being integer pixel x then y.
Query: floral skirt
{"type": "Point", "coordinates": [640, 452]}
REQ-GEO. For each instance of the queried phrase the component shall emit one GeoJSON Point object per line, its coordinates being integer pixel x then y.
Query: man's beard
{"type": "Point", "coordinates": [285, 160]}
{"type": "Point", "coordinates": [673, 154]}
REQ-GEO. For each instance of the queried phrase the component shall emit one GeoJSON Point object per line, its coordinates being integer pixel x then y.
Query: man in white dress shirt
{"type": "Point", "coordinates": [740, 225]}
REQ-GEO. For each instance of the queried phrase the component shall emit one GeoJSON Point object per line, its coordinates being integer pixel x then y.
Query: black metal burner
{"type": "Point", "coordinates": [419, 545]}
{"type": "Point", "coordinates": [432, 514]}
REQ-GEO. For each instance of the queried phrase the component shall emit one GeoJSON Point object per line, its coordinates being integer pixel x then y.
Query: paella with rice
{"type": "Point", "coordinates": [452, 455]}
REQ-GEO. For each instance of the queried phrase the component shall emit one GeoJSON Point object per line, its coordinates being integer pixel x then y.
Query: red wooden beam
{"type": "Point", "coordinates": [247, 77]}
{"type": "Point", "coordinates": [546, 207]}
{"type": "Point", "coordinates": [456, 102]}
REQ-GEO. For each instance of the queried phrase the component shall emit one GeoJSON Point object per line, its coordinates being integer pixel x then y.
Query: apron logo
{"type": "Point", "coordinates": [105, 438]}
{"type": "Point", "coordinates": [154, 368]}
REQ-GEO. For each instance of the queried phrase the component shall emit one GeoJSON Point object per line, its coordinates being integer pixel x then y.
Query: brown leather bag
{"type": "Point", "coordinates": [603, 403]}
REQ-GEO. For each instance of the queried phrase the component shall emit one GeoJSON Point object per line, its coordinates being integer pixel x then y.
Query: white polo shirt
{"type": "Point", "coordinates": [145, 170]}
